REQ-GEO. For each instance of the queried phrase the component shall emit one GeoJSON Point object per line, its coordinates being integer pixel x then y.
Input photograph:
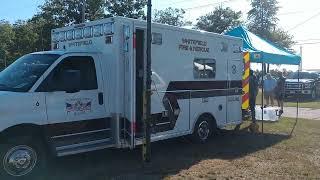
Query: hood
{"type": "Point", "coordinates": [4, 93]}
{"type": "Point", "coordinates": [300, 80]}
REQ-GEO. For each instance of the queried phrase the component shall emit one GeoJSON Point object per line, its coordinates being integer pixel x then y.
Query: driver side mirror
{"type": "Point", "coordinates": [71, 81]}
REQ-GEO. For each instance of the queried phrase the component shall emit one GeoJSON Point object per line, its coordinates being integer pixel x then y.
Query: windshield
{"type": "Point", "coordinates": [303, 75]}
{"type": "Point", "coordinates": [25, 71]}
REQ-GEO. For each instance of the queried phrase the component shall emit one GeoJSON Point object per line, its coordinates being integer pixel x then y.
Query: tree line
{"type": "Point", "coordinates": [34, 34]}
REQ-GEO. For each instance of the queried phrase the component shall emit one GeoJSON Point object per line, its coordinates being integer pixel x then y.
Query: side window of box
{"type": "Point", "coordinates": [204, 68]}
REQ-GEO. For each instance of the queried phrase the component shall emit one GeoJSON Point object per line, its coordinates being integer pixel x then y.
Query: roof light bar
{"type": "Point", "coordinates": [108, 28]}
{"type": "Point", "coordinates": [70, 35]}
{"type": "Point", "coordinates": [97, 30]}
{"type": "Point", "coordinates": [87, 32]}
{"type": "Point", "coordinates": [62, 36]}
{"type": "Point", "coordinates": [78, 33]}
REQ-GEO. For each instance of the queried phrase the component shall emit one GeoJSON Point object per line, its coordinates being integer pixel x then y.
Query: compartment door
{"type": "Point", "coordinates": [235, 68]}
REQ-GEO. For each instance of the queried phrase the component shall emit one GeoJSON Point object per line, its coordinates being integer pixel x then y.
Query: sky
{"type": "Point", "coordinates": [299, 18]}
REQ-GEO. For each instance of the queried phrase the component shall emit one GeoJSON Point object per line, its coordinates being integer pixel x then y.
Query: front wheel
{"type": "Point", "coordinates": [21, 158]}
{"type": "Point", "coordinates": [203, 129]}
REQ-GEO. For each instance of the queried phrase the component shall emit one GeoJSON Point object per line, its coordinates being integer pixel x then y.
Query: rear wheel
{"type": "Point", "coordinates": [203, 129]}
{"type": "Point", "coordinates": [22, 158]}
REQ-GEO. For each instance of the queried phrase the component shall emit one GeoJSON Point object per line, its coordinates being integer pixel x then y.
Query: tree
{"type": "Point", "coordinates": [43, 28]}
{"type": "Point", "coordinates": [219, 20]}
{"type": "Point", "coordinates": [16, 40]}
{"type": "Point", "coordinates": [263, 17]}
{"type": "Point", "coordinates": [6, 41]}
{"type": "Point", "coordinates": [35, 34]}
{"type": "Point", "coordinates": [25, 39]}
{"type": "Point", "coordinates": [170, 16]}
{"type": "Point", "coordinates": [59, 13]}
{"type": "Point", "coordinates": [127, 8]}
{"type": "Point", "coordinates": [263, 22]}
{"type": "Point", "coordinates": [281, 38]}
{"type": "Point", "coordinates": [66, 12]}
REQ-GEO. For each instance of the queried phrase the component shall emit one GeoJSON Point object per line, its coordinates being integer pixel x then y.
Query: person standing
{"type": "Point", "coordinates": [269, 85]}
{"type": "Point", "coordinates": [279, 91]}
{"type": "Point", "coordinates": [253, 92]}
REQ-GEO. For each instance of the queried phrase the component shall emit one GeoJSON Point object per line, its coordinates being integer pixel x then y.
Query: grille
{"type": "Point", "coordinates": [294, 85]}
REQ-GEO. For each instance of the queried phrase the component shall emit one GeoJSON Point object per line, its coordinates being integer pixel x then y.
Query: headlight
{"type": "Point", "coordinates": [307, 85]}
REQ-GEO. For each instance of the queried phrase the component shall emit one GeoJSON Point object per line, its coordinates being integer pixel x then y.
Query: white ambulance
{"type": "Point", "coordinates": [86, 94]}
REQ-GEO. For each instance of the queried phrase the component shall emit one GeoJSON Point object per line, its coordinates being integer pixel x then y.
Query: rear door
{"type": "Point", "coordinates": [76, 118]}
{"type": "Point", "coordinates": [235, 68]}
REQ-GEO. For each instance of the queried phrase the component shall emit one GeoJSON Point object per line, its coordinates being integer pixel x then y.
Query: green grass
{"type": "Point", "coordinates": [305, 135]}
{"type": "Point", "coordinates": [303, 102]}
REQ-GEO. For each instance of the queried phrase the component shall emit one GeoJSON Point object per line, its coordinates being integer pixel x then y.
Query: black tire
{"type": "Point", "coordinates": [204, 129]}
{"type": "Point", "coordinates": [32, 160]}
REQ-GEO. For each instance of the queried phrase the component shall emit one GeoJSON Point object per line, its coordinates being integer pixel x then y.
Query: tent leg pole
{"type": "Point", "coordinates": [262, 95]}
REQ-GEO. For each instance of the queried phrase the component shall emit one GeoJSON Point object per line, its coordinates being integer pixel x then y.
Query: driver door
{"type": "Point", "coordinates": [76, 118]}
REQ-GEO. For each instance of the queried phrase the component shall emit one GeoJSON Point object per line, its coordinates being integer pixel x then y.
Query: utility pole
{"type": "Point", "coordinates": [83, 11]}
{"type": "Point", "coordinates": [300, 66]}
{"type": "Point", "coordinates": [262, 96]}
{"type": "Point", "coordinates": [147, 92]}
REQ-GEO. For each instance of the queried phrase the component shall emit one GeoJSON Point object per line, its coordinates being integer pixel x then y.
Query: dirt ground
{"type": "Point", "coordinates": [230, 155]}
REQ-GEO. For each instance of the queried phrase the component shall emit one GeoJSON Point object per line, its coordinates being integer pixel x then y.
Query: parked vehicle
{"type": "Point", "coordinates": [303, 83]}
{"type": "Point", "coordinates": [87, 93]}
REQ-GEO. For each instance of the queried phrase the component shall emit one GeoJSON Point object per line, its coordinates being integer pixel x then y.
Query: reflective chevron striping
{"type": "Point", "coordinates": [245, 81]}
{"type": "Point", "coordinates": [245, 103]}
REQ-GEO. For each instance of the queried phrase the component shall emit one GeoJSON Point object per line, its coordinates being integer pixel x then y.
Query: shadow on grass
{"type": "Point", "coordinates": [168, 157]}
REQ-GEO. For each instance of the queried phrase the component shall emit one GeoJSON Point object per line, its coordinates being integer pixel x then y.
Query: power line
{"type": "Point", "coordinates": [305, 21]}
{"type": "Point", "coordinates": [298, 12]}
{"type": "Point", "coordinates": [178, 2]}
{"type": "Point", "coordinates": [292, 12]}
{"type": "Point", "coordinates": [185, 1]}
{"type": "Point", "coordinates": [206, 5]}
{"type": "Point", "coordinates": [308, 40]}
{"type": "Point", "coordinates": [318, 42]}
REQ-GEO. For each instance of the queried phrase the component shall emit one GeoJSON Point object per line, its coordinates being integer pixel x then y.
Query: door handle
{"type": "Point", "coordinates": [100, 98]}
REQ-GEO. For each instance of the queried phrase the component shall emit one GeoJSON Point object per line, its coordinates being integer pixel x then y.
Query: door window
{"type": "Point", "coordinates": [84, 64]}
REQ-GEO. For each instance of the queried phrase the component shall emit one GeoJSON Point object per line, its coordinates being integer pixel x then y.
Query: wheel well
{"type": "Point", "coordinates": [208, 115]}
{"type": "Point", "coordinates": [22, 130]}
{"type": "Point", "coordinates": [28, 132]}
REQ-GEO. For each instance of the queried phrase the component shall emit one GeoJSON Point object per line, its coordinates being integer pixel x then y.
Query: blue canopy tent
{"type": "Point", "coordinates": [262, 51]}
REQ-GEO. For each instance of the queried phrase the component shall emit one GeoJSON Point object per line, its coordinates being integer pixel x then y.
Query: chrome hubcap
{"type": "Point", "coordinates": [203, 130]}
{"type": "Point", "coordinates": [19, 160]}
